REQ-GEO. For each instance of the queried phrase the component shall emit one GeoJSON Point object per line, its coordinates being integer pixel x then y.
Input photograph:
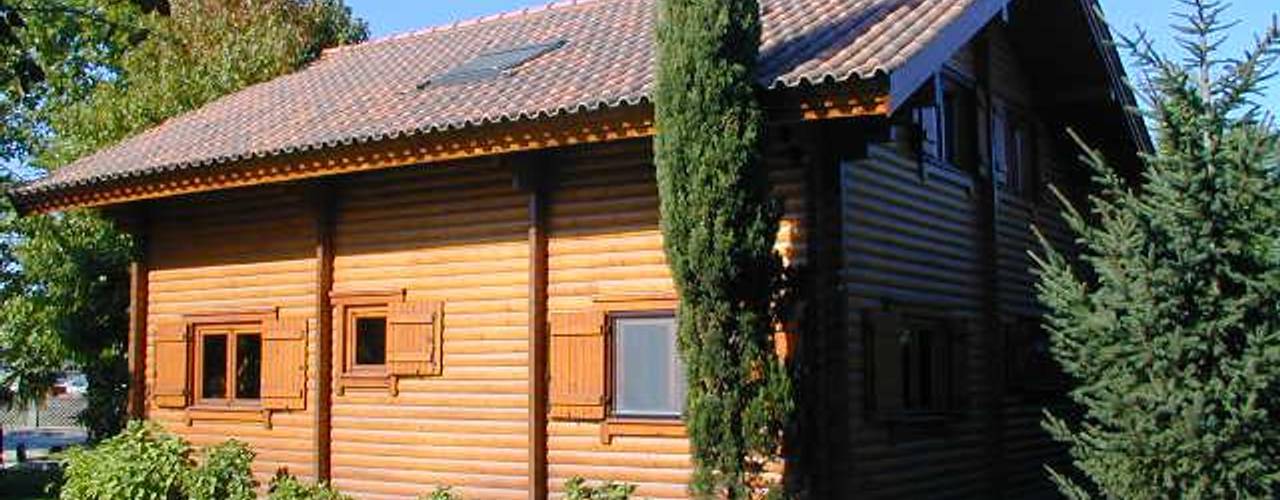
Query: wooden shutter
{"type": "Point", "coordinates": [413, 338]}
{"type": "Point", "coordinates": [884, 331]}
{"type": "Point", "coordinates": [284, 364]}
{"type": "Point", "coordinates": [578, 359]}
{"type": "Point", "coordinates": [172, 344]}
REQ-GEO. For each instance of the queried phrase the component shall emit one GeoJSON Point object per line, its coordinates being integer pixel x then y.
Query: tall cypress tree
{"type": "Point", "coordinates": [1169, 321]}
{"type": "Point", "coordinates": [720, 225]}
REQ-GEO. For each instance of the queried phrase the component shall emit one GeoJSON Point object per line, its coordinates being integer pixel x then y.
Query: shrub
{"type": "Point", "coordinates": [141, 463]}
{"type": "Point", "coordinates": [287, 487]}
{"type": "Point", "coordinates": [442, 493]}
{"type": "Point", "coordinates": [578, 489]}
{"type": "Point", "coordinates": [224, 474]}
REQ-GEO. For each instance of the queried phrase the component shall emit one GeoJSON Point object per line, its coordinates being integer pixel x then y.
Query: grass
{"type": "Point", "coordinates": [27, 484]}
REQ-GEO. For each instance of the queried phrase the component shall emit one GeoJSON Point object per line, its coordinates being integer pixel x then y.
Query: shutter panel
{"type": "Point", "coordinates": [885, 330]}
{"type": "Point", "coordinates": [284, 364]}
{"type": "Point", "coordinates": [578, 358]}
{"type": "Point", "coordinates": [171, 389]}
{"type": "Point", "coordinates": [413, 338]}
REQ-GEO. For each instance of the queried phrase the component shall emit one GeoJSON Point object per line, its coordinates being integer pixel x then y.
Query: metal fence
{"type": "Point", "coordinates": [58, 411]}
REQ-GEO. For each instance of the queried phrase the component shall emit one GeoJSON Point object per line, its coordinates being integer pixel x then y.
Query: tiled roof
{"type": "Point", "coordinates": [374, 91]}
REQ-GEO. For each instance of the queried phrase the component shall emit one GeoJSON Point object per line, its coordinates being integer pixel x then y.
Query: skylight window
{"type": "Point", "coordinates": [493, 64]}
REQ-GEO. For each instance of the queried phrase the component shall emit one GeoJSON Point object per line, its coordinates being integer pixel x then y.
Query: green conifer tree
{"type": "Point", "coordinates": [720, 226]}
{"type": "Point", "coordinates": [1169, 319]}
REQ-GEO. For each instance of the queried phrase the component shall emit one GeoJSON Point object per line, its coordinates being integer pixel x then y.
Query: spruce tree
{"type": "Point", "coordinates": [1168, 320]}
{"type": "Point", "coordinates": [720, 225]}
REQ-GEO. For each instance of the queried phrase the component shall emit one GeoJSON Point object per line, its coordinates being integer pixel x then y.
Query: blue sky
{"type": "Point", "coordinates": [388, 17]}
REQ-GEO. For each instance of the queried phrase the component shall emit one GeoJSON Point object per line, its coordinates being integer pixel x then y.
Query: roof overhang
{"type": "Point", "coordinates": [846, 100]}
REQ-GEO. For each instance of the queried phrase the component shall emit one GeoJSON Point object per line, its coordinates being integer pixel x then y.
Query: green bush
{"type": "Point", "coordinates": [442, 493]}
{"type": "Point", "coordinates": [224, 474]}
{"type": "Point", "coordinates": [287, 487]}
{"type": "Point", "coordinates": [141, 463]}
{"type": "Point", "coordinates": [578, 489]}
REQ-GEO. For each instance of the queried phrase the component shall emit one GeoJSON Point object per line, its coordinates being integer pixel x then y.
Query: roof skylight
{"type": "Point", "coordinates": [493, 64]}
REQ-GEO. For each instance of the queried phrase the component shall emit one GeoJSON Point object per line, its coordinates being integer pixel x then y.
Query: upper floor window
{"type": "Point", "coordinates": [1012, 149]}
{"type": "Point", "coordinates": [945, 117]}
{"type": "Point", "coordinates": [648, 376]}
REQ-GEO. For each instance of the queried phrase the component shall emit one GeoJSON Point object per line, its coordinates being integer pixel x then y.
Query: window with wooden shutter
{"type": "Point", "coordinates": [284, 373]}
{"type": "Point", "coordinates": [413, 338]}
{"type": "Point", "coordinates": [171, 388]}
{"type": "Point", "coordinates": [578, 359]}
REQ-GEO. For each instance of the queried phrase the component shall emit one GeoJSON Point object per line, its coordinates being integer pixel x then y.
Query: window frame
{"type": "Point", "coordinates": [233, 331]}
{"type": "Point", "coordinates": [612, 364]}
{"type": "Point", "coordinates": [345, 303]}
{"type": "Point", "coordinates": [954, 328]}
{"type": "Point", "coordinates": [1020, 178]}
{"type": "Point", "coordinates": [351, 334]}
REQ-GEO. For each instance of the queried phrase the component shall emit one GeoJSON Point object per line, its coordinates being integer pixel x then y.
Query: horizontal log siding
{"type": "Point", "coordinates": [1027, 447]}
{"type": "Point", "coordinates": [605, 241]}
{"type": "Point", "coordinates": [914, 240]}
{"type": "Point", "coordinates": [454, 234]}
{"type": "Point", "coordinates": [242, 249]}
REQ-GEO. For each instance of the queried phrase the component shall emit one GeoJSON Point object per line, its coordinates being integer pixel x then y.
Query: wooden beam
{"type": "Point", "coordinates": [138, 288]}
{"type": "Point", "coordinates": [325, 209]}
{"type": "Point", "coordinates": [534, 175]}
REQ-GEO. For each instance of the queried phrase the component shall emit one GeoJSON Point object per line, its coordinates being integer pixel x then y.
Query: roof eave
{"type": "Point", "coordinates": [907, 78]}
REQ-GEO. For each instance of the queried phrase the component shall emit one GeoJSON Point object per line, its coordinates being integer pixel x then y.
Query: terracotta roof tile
{"type": "Point", "coordinates": [374, 91]}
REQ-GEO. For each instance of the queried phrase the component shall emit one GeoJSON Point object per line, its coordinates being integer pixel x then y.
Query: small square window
{"type": "Point", "coordinates": [371, 341]}
{"type": "Point", "coordinates": [649, 378]}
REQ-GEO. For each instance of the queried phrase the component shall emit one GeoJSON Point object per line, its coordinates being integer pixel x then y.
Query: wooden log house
{"type": "Point", "coordinates": [434, 259]}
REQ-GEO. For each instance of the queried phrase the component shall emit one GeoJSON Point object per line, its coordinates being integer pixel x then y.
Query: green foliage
{"type": "Point", "coordinates": [578, 489]}
{"type": "Point", "coordinates": [223, 474]}
{"type": "Point", "coordinates": [71, 310]}
{"type": "Point", "coordinates": [720, 226]}
{"type": "Point", "coordinates": [1169, 321]}
{"type": "Point", "coordinates": [442, 493]}
{"type": "Point", "coordinates": [287, 487]}
{"type": "Point", "coordinates": [66, 292]}
{"type": "Point", "coordinates": [141, 463]}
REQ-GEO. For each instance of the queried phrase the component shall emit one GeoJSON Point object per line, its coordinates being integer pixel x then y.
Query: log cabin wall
{"type": "Point", "coordinates": [455, 234]}
{"type": "Point", "coordinates": [914, 239]}
{"type": "Point", "coordinates": [1027, 448]}
{"type": "Point", "coordinates": [605, 244]}
{"type": "Point", "coordinates": [245, 250]}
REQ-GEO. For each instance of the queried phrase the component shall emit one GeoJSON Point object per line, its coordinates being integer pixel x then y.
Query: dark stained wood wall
{"type": "Point", "coordinates": [913, 235]}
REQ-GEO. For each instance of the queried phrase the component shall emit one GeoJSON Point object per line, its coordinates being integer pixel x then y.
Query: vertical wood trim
{"type": "Point", "coordinates": [989, 217]}
{"type": "Point", "coordinates": [536, 175]}
{"type": "Point", "coordinates": [325, 210]}
{"type": "Point", "coordinates": [138, 286]}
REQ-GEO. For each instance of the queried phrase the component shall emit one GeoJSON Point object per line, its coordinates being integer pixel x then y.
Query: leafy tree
{"type": "Point", "coordinates": [1169, 320]}
{"type": "Point", "coordinates": [720, 226]}
{"type": "Point", "coordinates": [71, 295]}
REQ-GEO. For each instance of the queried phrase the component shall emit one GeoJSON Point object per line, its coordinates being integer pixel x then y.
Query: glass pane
{"type": "Point", "coordinates": [214, 356]}
{"type": "Point", "coordinates": [649, 378]}
{"type": "Point", "coordinates": [371, 341]}
{"type": "Point", "coordinates": [248, 366]}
